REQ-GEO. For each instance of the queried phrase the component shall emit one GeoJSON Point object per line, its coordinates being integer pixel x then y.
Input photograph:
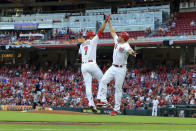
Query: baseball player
{"type": "Point", "coordinates": [155, 103]}
{"type": "Point", "coordinates": [89, 67]}
{"type": "Point", "coordinates": [118, 69]}
{"type": "Point", "coordinates": [37, 94]}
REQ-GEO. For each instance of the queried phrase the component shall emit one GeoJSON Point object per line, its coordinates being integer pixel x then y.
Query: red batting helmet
{"type": "Point", "coordinates": [89, 34]}
{"type": "Point", "coordinates": [124, 35]}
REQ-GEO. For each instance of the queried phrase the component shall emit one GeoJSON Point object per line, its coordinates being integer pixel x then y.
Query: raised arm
{"type": "Point", "coordinates": [112, 32]}
{"type": "Point", "coordinates": [102, 28]}
{"type": "Point", "coordinates": [100, 31]}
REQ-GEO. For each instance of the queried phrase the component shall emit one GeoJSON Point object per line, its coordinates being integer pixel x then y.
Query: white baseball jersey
{"type": "Point", "coordinates": [155, 103]}
{"type": "Point", "coordinates": [120, 53]}
{"type": "Point", "coordinates": [88, 49]}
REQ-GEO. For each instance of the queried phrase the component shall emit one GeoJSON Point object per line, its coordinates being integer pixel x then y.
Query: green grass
{"type": "Point", "coordinates": [20, 116]}
{"type": "Point", "coordinates": [95, 128]}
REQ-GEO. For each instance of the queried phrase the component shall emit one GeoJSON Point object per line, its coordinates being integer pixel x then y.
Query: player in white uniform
{"type": "Point", "coordinates": [118, 69]}
{"type": "Point", "coordinates": [155, 103]}
{"type": "Point", "coordinates": [89, 66]}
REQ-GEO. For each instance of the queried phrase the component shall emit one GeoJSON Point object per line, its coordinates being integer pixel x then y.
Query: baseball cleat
{"type": "Point", "coordinates": [113, 113]}
{"type": "Point", "coordinates": [94, 110]}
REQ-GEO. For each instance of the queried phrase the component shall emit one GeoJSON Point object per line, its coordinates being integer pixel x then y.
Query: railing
{"type": "Point", "coordinates": [153, 39]}
{"type": "Point", "coordinates": [157, 39]}
{"type": "Point", "coordinates": [102, 41]}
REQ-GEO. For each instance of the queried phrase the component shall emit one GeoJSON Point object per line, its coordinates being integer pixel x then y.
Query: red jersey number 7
{"type": "Point", "coordinates": [85, 49]}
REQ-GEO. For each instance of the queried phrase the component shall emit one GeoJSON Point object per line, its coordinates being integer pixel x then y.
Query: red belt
{"type": "Point", "coordinates": [117, 65]}
{"type": "Point", "coordinates": [88, 61]}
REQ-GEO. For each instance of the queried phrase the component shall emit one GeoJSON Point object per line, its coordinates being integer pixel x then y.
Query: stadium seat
{"type": "Point", "coordinates": [182, 25]}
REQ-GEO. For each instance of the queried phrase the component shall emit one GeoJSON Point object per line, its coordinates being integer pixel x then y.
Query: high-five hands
{"type": "Point", "coordinates": [107, 19]}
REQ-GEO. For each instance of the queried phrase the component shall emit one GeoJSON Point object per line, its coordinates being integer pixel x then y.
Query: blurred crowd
{"type": "Point", "coordinates": [40, 35]}
{"type": "Point", "coordinates": [68, 34]}
{"type": "Point", "coordinates": [177, 26]}
{"type": "Point", "coordinates": [64, 86]}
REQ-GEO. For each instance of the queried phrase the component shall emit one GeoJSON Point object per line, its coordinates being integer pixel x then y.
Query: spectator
{"type": "Point", "coordinates": [64, 87]}
{"type": "Point", "coordinates": [173, 24]}
{"type": "Point", "coordinates": [192, 23]}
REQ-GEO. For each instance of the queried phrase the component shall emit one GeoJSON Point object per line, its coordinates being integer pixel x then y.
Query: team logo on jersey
{"type": "Point", "coordinates": [86, 43]}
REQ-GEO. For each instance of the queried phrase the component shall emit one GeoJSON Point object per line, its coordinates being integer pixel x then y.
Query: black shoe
{"type": "Point", "coordinates": [94, 110]}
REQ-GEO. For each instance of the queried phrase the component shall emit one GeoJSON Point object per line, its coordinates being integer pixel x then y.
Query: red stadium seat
{"type": "Point", "coordinates": [182, 24]}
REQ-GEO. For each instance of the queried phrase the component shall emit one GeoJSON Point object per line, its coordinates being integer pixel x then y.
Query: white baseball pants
{"type": "Point", "coordinates": [37, 97]}
{"type": "Point", "coordinates": [118, 75]}
{"type": "Point", "coordinates": [154, 111]}
{"type": "Point", "coordinates": [89, 71]}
